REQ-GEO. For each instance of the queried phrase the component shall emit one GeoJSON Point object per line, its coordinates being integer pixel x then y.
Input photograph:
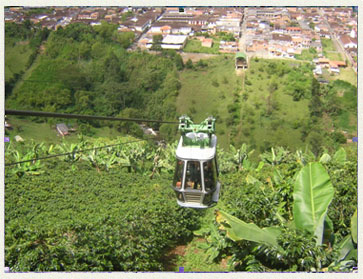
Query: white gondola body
{"type": "Point", "coordinates": [207, 194]}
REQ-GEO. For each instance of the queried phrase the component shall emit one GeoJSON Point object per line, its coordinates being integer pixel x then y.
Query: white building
{"type": "Point", "coordinates": [174, 41]}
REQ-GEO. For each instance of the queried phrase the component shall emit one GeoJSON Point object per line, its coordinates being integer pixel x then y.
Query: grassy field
{"type": "Point", "coordinates": [16, 58]}
{"type": "Point", "coordinates": [212, 90]}
{"type": "Point", "coordinates": [327, 45]}
{"type": "Point", "coordinates": [282, 126]}
{"type": "Point", "coordinates": [46, 132]}
{"type": "Point", "coordinates": [209, 91]}
{"type": "Point", "coordinates": [346, 74]}
{"type": "Point", "coordinates": [334, 56]}
{"type": "Point", "coordinates": [330, 51]}
{"type": "Point", "coordinates": [195, 46]}
{"type": "Point", "coordinates": [307, 54]}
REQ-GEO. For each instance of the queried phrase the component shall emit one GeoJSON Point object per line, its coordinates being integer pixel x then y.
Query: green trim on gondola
{"type": "Point", "coordinates": [186, 125]}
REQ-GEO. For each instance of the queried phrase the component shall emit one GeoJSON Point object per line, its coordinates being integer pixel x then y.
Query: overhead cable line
{"type": "Point", "coordinates": [80, 116]}
{"type": "Point", "coordinates": [71, 153]}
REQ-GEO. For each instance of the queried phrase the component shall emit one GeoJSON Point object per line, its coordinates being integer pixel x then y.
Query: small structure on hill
{"type": "Point", "coordinates": [62, 129]}
{"type": "Point", "coordinates": [241, 60]}
{"type": "Point", "coordinates": [207, 42]}
{"type": "Point", "coordinates": [18, 138]}
{"type": "Point", "coordinates": [176, 42]}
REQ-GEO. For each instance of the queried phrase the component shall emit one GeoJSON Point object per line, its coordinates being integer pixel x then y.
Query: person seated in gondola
{"type": "Point", "coordinates": [193, 175]}
{"type": "Point", "coordinates": [208, 175]}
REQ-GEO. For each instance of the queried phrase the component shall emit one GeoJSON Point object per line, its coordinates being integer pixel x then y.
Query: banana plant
{"type": "Point", "coordinates": [340, 157]}
{"type": "Point", "coordinates": [31, 167]}
{"type": "Point", "coordinates": [71, 149]}
{"type": "Point", "coordinates": [304, 157]}
{"type": "Point", "coordinates": [274, 157]}
{"type": "Point", "coordinates": [225, 161]}
{"type": "Point", "coordinates": [167, 157]}
{"type": "Point", "coordinates": [313, 193]}
{"type": "Point", "coordinates": [241, 156]}
{"type": "Point", "coordinates": [347, 249]}
{"type": "Point", "coordinates": [133, 156]}
{"type": "Point", "coordinates": [215, 242]}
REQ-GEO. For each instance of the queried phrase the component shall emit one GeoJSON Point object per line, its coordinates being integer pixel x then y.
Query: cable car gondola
{"type": "Point", "coordinates": [196, 182]}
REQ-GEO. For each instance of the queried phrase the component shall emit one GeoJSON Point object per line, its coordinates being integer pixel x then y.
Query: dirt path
{"type": "Point", "coordinates": [171, 257]}
{"type": "Point", "coordinates": [196, 56]}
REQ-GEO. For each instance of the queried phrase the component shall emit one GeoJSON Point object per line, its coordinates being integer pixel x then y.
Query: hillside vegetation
{"type": "Point", "coordinates": [22, 43]}
{"type": "Point", "coordinates": [85, 69]}
{"type": "Point", "coordinates": [99, 210]}
{"type": "Point", "coordinates": [275, 102]}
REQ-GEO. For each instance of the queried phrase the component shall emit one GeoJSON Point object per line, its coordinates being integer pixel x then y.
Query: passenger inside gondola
{"type": "Point", "coordinates": [178, 178]}
{"type": "Point", "coordinates": [193, 176]}
{"type": "Point", "coordinates": [209, 175]}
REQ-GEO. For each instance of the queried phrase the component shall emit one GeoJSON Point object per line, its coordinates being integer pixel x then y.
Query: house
{"type": "Point", "coordinates": [230, 24]}
{"type": "Point", "coordinates": [207, 42]}
{"type": "Point", "coordinates": [339, 63]}
{"type": "Point", "coordinates": [228, 47]}
{"type": "Point", "coordinates": [318, 70]}
{"type": "Point", "coordinates": [323, 62]}
{"type": "Point", "coordinates": [62, 129]}
{"type": "Point", "coordinates": [349, 42]}
{"type": "Point", "coordinates": [334, 67]}
{"type": "Point", "coordinates": [145, 43]}
{"type": "Point", "coordinates": [324, 34]}
{"type": "Point", "coordinates": [166, 29]}
{"type": "Point", "coordinates": [174, 42]}
{"type": "Point", "coordinates": [281, 38]}
{"type": "Point", "coordinates": [257, 45]}
{"type": "Point", "coordinates": [293, 30]}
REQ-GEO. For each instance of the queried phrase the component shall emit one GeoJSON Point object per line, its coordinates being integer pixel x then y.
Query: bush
{"type": "Point", "coordinates": [90, 221]}
{"type": "Point", "coordinates": [215, 83]}
{"type": "Point", "coordinates": [202, 64]}
{"type": "Point", "coordinates": [189, 64]}
{"type": "Point", "coordinates": [338, 137]}
{"type": "Point", "coordinates": [248, 82]}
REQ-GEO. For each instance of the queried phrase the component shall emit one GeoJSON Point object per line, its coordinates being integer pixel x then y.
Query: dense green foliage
{"type": "Point", "coordinates": [22, 42]}
{"type": "Point", "coordinates": [264, 197]}
{"type": "Point", "coordinates": [73, 217]}
{"type": "Point", "coordinates": [307, 54]}
{"type": "Point", "coordinates": [278, 96]}
{"type": "Point", "coordinates": [87, 70]}
{"type": "Point", "coordinates": [99, 210]}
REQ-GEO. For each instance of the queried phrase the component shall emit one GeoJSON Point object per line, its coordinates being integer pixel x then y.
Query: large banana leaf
{"type": "Point", "coordinates": [346, 249]}
{"type": "Point", "coordinates": [313, 193]}
{"type": "Point", "coordinates": [340, 156]}
{"type": "Point", "coordinates": [238, 230]}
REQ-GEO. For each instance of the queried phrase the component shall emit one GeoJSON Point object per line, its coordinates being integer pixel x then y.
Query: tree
{"type": "Point", "coordinates": [98, 50]}
{"type": "Point", "coordinates": [315, 105]}
{"type": "Point", "coordinates": [124, 38]}
{"type": "Point", "coordinates": [315, 140]}
{"type": "Point", "coordinates": [157, 40]}
{"type": "Point", "coordinates": [189, 64]}
{"type": "Point", "coordinates": [127, 126]}
{"type": "Point", "coordinates": [105, 30]}
{"type": "Point", "coordinates": [84, 50]}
